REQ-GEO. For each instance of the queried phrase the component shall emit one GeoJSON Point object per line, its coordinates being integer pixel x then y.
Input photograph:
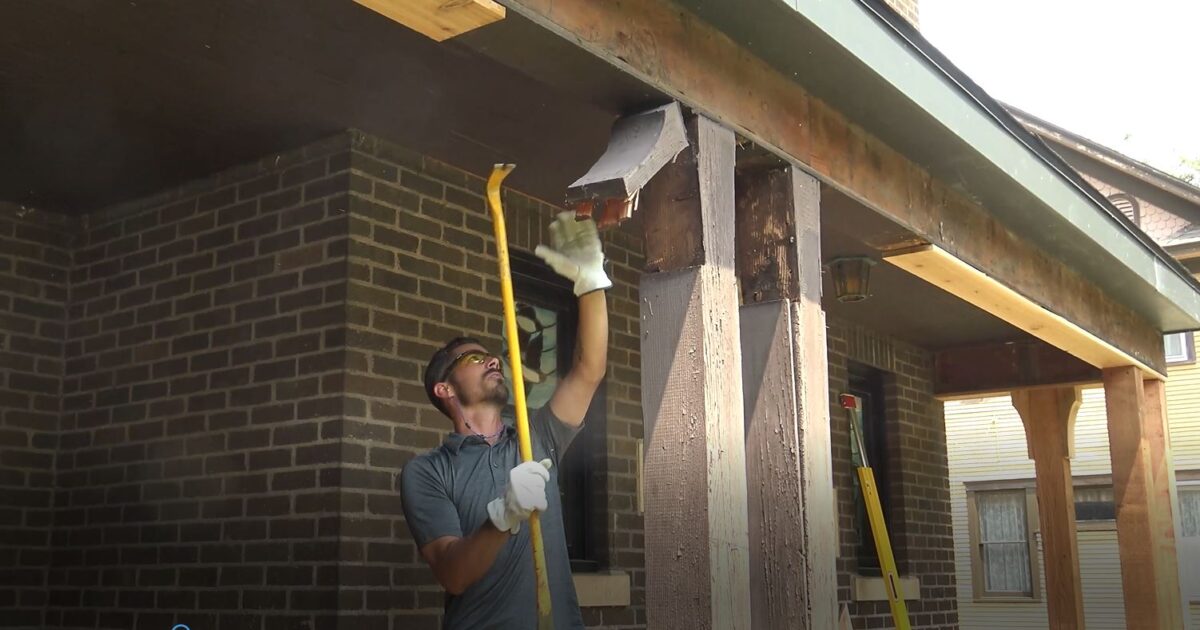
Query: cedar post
{"type": "Point", "coordinates": [1142, 485]}
{"type": "Point", "coordinates": [1049, 417]}
{"type": "Point", "coordinates": [785, 373]}
{"type": "Point", "coordinates": [697, 560]}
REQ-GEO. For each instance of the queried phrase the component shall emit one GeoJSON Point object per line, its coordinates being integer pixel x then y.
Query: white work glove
{"type": "Point", "coordinates": [575, 253]}
{"type": "Point", "coordinates": [526, 492]}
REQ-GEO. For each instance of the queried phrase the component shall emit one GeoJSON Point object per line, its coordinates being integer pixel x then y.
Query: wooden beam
{"type": "Point", "coordinates": [1000, 368]}
{"type": "Point", "coordinates": [1049, 418]}
{"type": "Point", "coordinates": [943, 270]}
{"type": "Point", "coordinates": [438, 20]}
{"type": "Point", "coordinates": [1162, 469]}
{"type": "Point", "coordinates": [789, 470]}
{"type": "Point", "coordinates": [676, 52]}
{"type": "Point", "coordinates": [697, 552]}
{"type": "Point", "coordinates": [1145, 527]}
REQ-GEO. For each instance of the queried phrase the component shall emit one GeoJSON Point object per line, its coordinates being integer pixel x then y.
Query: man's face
{"type": "Point", "coordinates": [477, 381]}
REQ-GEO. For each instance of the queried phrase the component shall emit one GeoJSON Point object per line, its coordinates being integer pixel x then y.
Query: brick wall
{"type": "Point", "coordinates": [200, 443]}
{"type": "Point", "coordinates": [34, 267]}
{"type": "Point", "coordinates": [241, 389]}
{"type": "Point", "coordinates": [423, 270]}
{"type": "Point", "coordinates": [907, 9]}
{"type": "Point", "coordinates": [917, 475]}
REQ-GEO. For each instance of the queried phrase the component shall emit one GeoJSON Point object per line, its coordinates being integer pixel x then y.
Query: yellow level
{"type": "Point", "coordinates": [883, 546]}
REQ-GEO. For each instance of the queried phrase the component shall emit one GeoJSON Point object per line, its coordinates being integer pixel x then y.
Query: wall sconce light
{"type": "Point", "coordinates": [851, 277]}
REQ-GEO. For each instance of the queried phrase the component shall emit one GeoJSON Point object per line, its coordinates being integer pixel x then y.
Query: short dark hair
{"type": "Point", "coordinates": [435, 370]}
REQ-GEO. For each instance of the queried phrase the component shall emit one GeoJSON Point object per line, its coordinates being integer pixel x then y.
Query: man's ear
{"type": "Point", "coordinates": [443, 390]}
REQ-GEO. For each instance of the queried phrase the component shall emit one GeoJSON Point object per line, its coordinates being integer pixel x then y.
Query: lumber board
{"type": "Point", "coordinates": [697, 547]}
{"type": "Point", "coordinates": [1000, 368]}
{"type": "Point", "coordinates": [1162, 470]}
{"type": "Point", "coordinates": [1049, 419]}
{"type": "Point", "coordinates": [785, 375]}
{"type": "Point", "coordinates": [1145, 531]}
{"type": "Point", "coordinates": [944, 270]}
{"type": "Point", "coordinates": [676, 52]}
{"type": "Point", "coordinates": [438, 20]}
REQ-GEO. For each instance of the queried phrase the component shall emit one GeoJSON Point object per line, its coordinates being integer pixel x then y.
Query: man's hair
{"type": "Point", "coordinates": [436, 368]}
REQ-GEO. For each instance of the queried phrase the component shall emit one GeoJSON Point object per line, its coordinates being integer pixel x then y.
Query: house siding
{"type": "Point", "coordinates": [987, 443]}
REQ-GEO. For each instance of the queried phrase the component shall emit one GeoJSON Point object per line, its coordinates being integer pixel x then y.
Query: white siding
{"type": "Point", "coordinates": [987, 442]}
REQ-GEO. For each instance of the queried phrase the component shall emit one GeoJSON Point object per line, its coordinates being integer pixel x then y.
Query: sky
{"type": "Point", "coordinates": [1125, 74]}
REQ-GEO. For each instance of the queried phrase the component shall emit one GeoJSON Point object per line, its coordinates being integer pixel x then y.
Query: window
{"type": "Point", "coordinates": [1003, 548]}
{"type": "Point", "coordinates": [1094, 503]}
{"type": "Point", "coordinates": [546, 322]}
{"type": "Point", "coordinates": [867, 384]}
{"type": "Point", "coordinates": [1179, 347]}
{"type": "Point", "coordinates": [1189, 511]}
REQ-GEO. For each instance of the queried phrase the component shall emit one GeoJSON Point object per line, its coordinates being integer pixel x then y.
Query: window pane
{"type": "Point", "coordinates": [1002, 517]}
{"type": "Point", "coordinates": [1176, 346]}
{"type": "Point", "coordinates": [537, 329]}
{"type": "Point", "coordinates": [1003, 532]}
{"type": "Point", "coordinates": [1006, 567]}
{"type": "Point", "coordinates": [1189, 512]}
{"type": "Point", "coordinates": [1095, 503]}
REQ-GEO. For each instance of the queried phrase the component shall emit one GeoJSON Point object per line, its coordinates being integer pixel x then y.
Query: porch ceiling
{"type": "Point", "coordinates": [900, 304]}
{"type": "Point", "coordinates": [109, 100]}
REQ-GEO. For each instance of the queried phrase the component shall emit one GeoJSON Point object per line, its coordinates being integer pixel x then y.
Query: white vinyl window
{"type": "Point", "coordinates": [1179, 347]}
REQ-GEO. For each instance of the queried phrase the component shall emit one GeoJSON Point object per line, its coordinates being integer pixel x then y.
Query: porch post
{"type": "Point", "coordinates": [1049, 418]}
{"type": "Point", "coordinates": [785, 373]}
{"type": "Point", "coordinates": [1142, 483]}
{"type": "Point", "coordinates": [697, 556]}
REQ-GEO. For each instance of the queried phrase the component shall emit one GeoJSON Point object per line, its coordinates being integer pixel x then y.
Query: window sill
{"type": "Point", "coordinates": [1007, 600]}
{"type": "Point", "coordinates": [871, 589]}
{"type": "Point", "coordinates": [609, 588]}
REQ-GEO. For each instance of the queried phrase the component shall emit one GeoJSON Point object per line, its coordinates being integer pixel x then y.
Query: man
{"type": "Point", "coordinates": [465, 501]}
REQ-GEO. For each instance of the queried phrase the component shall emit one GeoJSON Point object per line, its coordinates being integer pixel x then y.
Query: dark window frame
{"type": "Point", "coordinates": [583, 469]}
{"type": "Point", "coordinates": [868, 385]}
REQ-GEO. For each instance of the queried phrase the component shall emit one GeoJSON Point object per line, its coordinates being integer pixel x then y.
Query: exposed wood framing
{"type": "Point", "coordinates": [944, 270]}
{"type": "Point", "coordinates": [1049, 418]}
{"type": "Point", "coordinates": [999, 368]}
{"type": "Point", "coordinates": [680, 54]}
{"type": "Point", "coordinates": [1141, 484]}
{"type": "Point", "coordinates": [697, 551]}
{"type": "Point", "coordinates": [438, 20]}
{"type": "Point", "coordinates": [785, 376]}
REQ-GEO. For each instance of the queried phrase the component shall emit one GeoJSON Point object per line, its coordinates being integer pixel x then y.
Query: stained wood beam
{"type": "Point", "coordinates": [949, 273]}
{"type": "Point", "coordinates": [1049, 418]}
{"type": "Point", "coordinates": [786, 379]}
{"type": "Point", "coordinates": [674, 51]}
{"type": "Point", "coordinates": [1000, 368]}
{"type": "Point", "coordinates": [697, 551]}
{"type": "Point", "coordinates": [438, 20]}
{"type": "Point", "coordinates": [1142, 488]}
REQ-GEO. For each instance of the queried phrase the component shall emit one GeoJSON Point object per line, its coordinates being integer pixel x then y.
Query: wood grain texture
{"type": "Point", "coordinates": [785, 376]}
{"type": "Point", "coordinates": [944, 270]}
{"type": "Point", "coordinates": [697, 550]}
{"type": "Point", "coordinates": [1145, 531]}
{"type": "Point", "coordinates": [999, 368]}
{"type": "Point", "coordinates": [680, 54]}
{"type": "Point", "coordinates": [438, 20]}
{"type": "Point", "coordinates": [778, 215]}
{"type": "Point", "coordinates": [1049, 419]}
{"type": "Point", "coordinates": [679, 233]}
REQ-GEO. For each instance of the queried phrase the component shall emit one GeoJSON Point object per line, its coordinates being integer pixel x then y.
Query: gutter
{"type": "Point", "coordinates": [1000, 114]}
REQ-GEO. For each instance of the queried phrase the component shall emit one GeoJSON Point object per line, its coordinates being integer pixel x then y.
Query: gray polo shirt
{"type": "Point", "coordinates": [445, 492]}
